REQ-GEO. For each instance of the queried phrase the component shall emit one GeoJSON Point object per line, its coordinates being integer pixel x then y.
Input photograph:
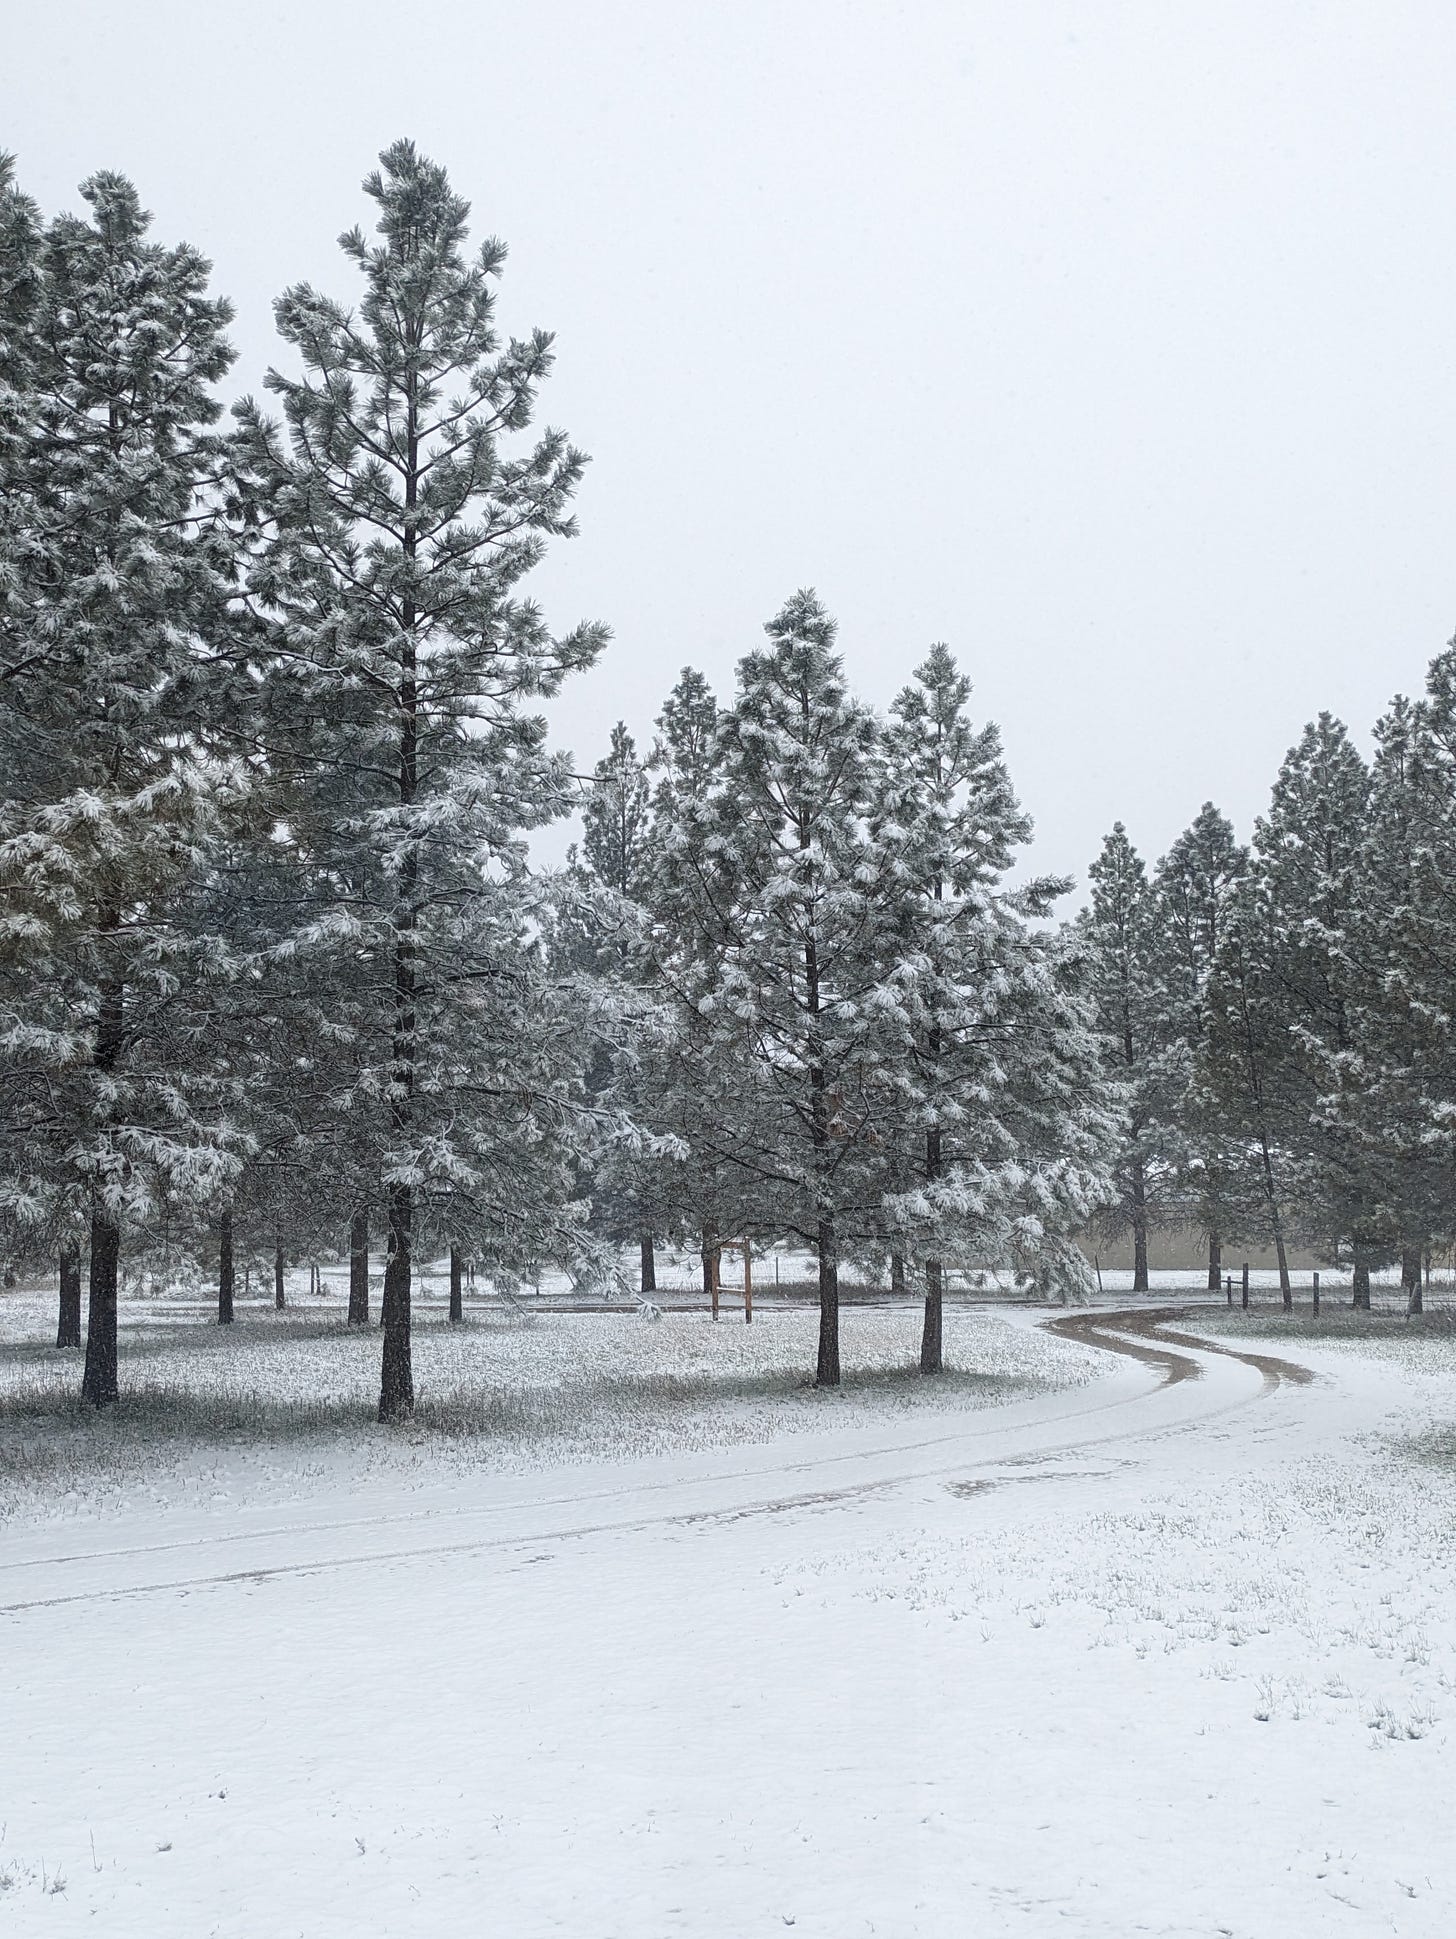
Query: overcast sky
{"type": "Point", "coordinates": [1112, 344]}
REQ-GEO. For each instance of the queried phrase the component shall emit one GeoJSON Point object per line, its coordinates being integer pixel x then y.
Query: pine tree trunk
{"type": "Point", "coordinates": [827, 1373]}
{"type": "Point", "coordinates": [457, 1302]}
{"type": "Point", "coordinates": [931, 1332]}
{"type": "Point", "coordinates": [396, 1380]}
{"type": "Point", "coordinates": [934, 1323]}
{"type": "Point", "coordinates": [1215, 1263]}
{"type": "Point", "coordinates": [278, 1299]}
{"type": "Point", "coordinates": [1360, 1291]}
{"type": "Point", "coordinates": [68, 1318]}
{"type": "Point", "coordinates": [648, 1281]}
{"type": "Point", "coordinates": [98, 1381]}
{"type": "Point", "coordinates": [1277, 1224]}
{"type": "Point", "coordinates": [98, 1376]}
{"type": "Point", "coordinates": [897, 1274]}
{"type": "Point", "coordinates": [1140, 1258]}
{"type": "Point", "coordinates": [359, 1269]}
{"type": "Point", "coordinates": [396, 1374]}
{"type": "Point", "coordinates": [1410, 1278]}
{"type": "Point", "coordinates": [711, 1267]}
{"type": "Point", "coordinates": [1286, 1287]}
{"type": "Point", "coordinates": [1139, 1229]}
{"type": "Point", "coordinates": [225, 1268]}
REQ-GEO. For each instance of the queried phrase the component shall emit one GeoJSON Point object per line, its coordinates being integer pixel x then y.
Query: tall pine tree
{"type": "Point", "coordinates": [999, 1127]}
{"type": "Point", "coordinates": [403, 516]}
{"type": "Point", "coordinates": [117, 731]}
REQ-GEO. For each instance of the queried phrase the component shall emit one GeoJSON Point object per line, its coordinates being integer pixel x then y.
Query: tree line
{"type": "Point", "coordinates": [1281, 1013]}
{"type": "Point", "coordinates": [276, 972]}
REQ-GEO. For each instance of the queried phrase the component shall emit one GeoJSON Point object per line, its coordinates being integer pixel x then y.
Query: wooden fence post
{"type": "Point", "coordinates": [1246, 1285]}
{"type": "Point", "coordinates": [748, 1282]}
{"type": "Point", "coordinates": [1316, 1295]}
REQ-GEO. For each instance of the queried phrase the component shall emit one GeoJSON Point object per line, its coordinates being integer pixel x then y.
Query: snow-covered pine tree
{"type": "Point", "coordinates": [999, 1112]}
{"type": "Point", "coordinates": [690, 1085]}
{"type": "Point", "coordinates": [772, 873]}
{"type": "Point", "coordinates": [1386, 1078]}
{"type": "Point", "coordinates": [24, 1100]}
{"type": "Point", "coordinates": [402, 519]}
{"type": "Point", "coordinates": [1192, 888]}
{"type": "Point", "coordinates": [116, 735]}
{"type": "Point", "coordinates": [614, 817]}
{"type": "Point", "coordinates": [1308, 850]}
{"type": "Point", "coordinates": [606, 926]}
{"type": "Point", "coordinates": [1119, 933]}
{"type": "Point", "coordinates": [1402, 1070]}
{"type": "Point", "coordinates": [1243, 1079]}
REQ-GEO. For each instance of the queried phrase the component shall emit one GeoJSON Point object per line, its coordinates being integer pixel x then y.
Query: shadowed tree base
{"type": "Point", "coordinates": [359, 1270]}
{"type": "Point", "coordinates": [98, 1382]}
{"type": "Point", "coordinates": [225, 1270]}
{"type": "Point", "coordinates": [396, 1378]}
{"type": "Point", "coordinates": [932, 1334]}
{"type": "Point", "coordinates": [68, 1318]}
{"type": "Point", "coordinates": [827, 1371]}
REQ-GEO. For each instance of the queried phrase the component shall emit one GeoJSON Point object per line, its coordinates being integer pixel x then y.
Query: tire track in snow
{"type": "Point", "coordinates": [1108, 1331]}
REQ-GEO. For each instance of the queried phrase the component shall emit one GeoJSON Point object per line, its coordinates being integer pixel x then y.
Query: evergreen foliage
{"type": "Point", "coordinates": [118, 730]}
{"type": "Point", "coordinates": [401, 516]}
{"type": "Point", "coordinates": [1120, 933]}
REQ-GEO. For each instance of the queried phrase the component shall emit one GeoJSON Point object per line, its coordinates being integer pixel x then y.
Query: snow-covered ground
{"type": "Point", "coordinates": [281, 1403]}
{"type": "Point", "coordinates": [1123, 1655]}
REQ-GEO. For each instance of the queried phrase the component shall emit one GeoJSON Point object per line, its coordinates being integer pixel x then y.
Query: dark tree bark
{"type": "Point", "coordinates": [1410, 1278]}
{"type": "Point", "coordinates": [68, 1318]}
{"type": "Point", "coordinates": [98, 1381]}
{"type": "Point", "coordinates": [278, 1300]}
{"type": "Point", "coordinates": [98, 1376]}
{"type": "Point", "coordinates": [359, 1269]}
{"type": "Point", "coordinates": [1276, 1221]}
{"type": "Point", "coordinates": [1139, 1229]}
{"type": "Point", "coordinates": [1215, 1263]}
{"type": "Point", "coordinates": [1286, 1284]}
{"type": "Point", "coordinates": [827, 1369]}
{"type": "Point", "coordinates": [932, 1329]}
{"type": "Point", "coordinates": [396, 1380]}
{"type": "Point", "coordinates": [931, 1333]}
{"type": "Point", "coordinates": [648, 1253]}
{"type": "Point", "coordinates": [897, 1273]}
{"type": "Point", "coordinates": [712, 1257]}
{"type": "Point", "coordinates": [1360, 1293]}
{"type": "Point", "coordinates": [225, 1268]}
{"type": "Point", "coordinates": [457, 1303]}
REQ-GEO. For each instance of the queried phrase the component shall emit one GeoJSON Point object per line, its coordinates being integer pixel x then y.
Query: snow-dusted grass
{"type": "Point", "coordinates": [1134, 1659]}
{"type": "Point", "coordinates": [212, 1412]}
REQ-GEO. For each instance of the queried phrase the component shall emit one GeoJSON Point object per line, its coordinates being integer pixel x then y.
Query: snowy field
{"type": "Point", "coordinates": [227, 1417]}
{"type": "Point", "coordinates": [1134, 1648]}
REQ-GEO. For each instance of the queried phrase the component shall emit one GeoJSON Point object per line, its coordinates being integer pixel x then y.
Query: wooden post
{"type": "Point", "coordinates": [1229, 1288]}
{"type": "Point", "coordinates": [1316, 1295]}
{"type": "Point", "coordinates": [748, 1282]}
{"type": "Point", "coordinates": [1246, 1285]}
{"type": "Point", "coordinates": [713, 1278]}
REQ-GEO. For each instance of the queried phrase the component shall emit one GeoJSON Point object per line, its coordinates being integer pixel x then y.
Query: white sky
{"type": "Point", "coordinates": [1110, 343]}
